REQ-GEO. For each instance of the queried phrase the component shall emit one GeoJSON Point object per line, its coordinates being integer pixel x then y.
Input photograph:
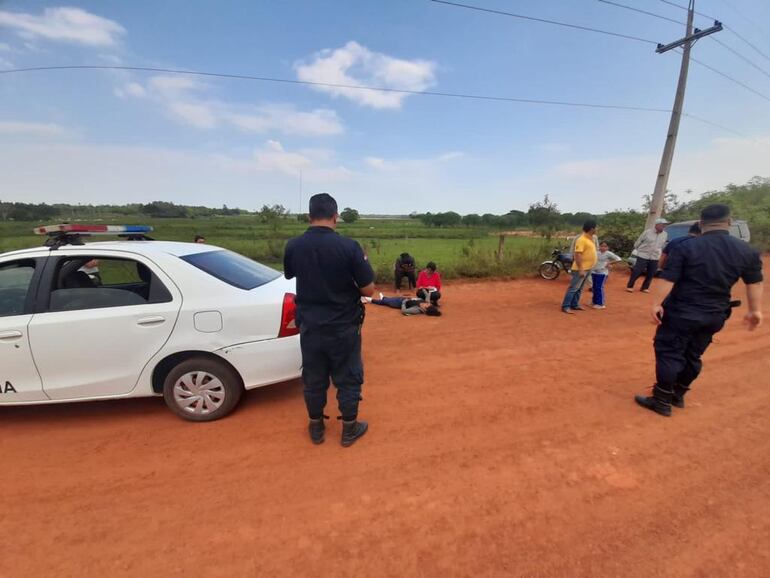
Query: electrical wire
{"type": "Point", "coordinates": [686, 8]}
{"type": "Point", "coordinates": [741, 56]}
{"type": "Point", "coordinates": [546, 21]}
{"type": "Point", "coordinates": [360, 87]}
{"type": "Point", "coordinates": [642, 11]}
{"type": "Point", "coordinates": [750, 44]}
{"type": "Point", "coordinates": [730, 78]}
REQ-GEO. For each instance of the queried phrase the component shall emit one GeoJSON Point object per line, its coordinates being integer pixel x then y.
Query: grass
{"type": "Point", "coordinates": [459, 252]}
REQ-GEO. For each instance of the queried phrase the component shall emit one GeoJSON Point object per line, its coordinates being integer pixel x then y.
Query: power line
{"type": "Point", "coordinates": [642, 11]}
{"type": "Point", "coordinates": [750, 44]}
{"type": "Point", "coordinates": [730, 78]}
{"type": "Point", "coordinates": [359, 87]}
{"type": "Point", "coordinates": [714, 124]}
{"type": "Point", "coordinates": [741, 56]}
{"type": "Point", "coordinates": [747, 19]}
{"type": "Point", "coordinates": [685, 8]}
{"type": "Point", "coordinates": [337, 85]}
{"type": "Point", "coordinates": [546, 21]}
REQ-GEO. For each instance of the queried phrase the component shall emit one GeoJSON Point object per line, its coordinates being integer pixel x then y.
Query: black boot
{"type": "Point", "coordinates": [352, 430]}
{"type": "Point", "coordinates": [316, 428]}
{"type": "Point", "coordinates": [659, 402]}
{"type": "Point", "coordinates": [677, 399]}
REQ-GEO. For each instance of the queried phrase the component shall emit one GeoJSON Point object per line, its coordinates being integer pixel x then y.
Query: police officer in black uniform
{"type": "Point", "coordinates": [697, 279]}
{"type": "Point", "coordinates": [332, 275]}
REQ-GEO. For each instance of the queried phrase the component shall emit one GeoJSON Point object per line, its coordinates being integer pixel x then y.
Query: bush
{"type": "Point", "coordinates": [620, 229]}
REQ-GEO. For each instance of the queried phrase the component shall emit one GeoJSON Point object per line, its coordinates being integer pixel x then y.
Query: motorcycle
{"type": "Point", "coordinates": [560, 261]}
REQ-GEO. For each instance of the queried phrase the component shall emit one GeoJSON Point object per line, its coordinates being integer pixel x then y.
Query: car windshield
{"type": "Point", "coordinates": [232, 268]}
{"type": "Point", "coordinates": [676, 231]}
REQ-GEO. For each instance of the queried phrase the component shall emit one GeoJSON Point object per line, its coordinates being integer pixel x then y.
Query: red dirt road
{"type": "Point", "coordinates": [504, 441]}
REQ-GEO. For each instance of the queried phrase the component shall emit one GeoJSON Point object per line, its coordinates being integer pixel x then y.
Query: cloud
{"type": "Point", "coordinates": [404, 165]}
{"type": "Point", "coordinates": [132, 89]}
{"type": "Point", "coordinates": [5, 47]}
{"type": "Point", "coordinates": [183, 98]}
{"type": "Point", "coordinates": [356, 65]}
{"type": "Point", "coordinates": [66, 24]}
{"type": "Point", "coordinates": [34, 129]}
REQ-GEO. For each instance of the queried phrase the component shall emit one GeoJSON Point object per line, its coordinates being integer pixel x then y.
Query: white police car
{"type": "Point", "coordinates": [194, 323]}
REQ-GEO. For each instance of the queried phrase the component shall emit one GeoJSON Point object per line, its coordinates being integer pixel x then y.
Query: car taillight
{"type": "Point", "coordinates": [288, 317]}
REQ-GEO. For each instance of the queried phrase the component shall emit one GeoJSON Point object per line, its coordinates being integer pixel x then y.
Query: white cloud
{"type": "Point", "coordinates": [197, 115]}
{"type": "Point", "coordinates": [34, 129]}
{"type": "Point", "coordinates": [5, 47]}
{"type": "Point", "coordinates": [356, 65]}
{"type": "Point", "coordinates": [5, 63]}
{"type": "Point", "coordinates": [67, 24]}
{"type": "Point", "coordinates": [285, 119]}
{"type": "Point", "coordinates": [133, 89]}
{"type": "Point", "coordinates": [405, 165]}
{"type": "Point", "coordinates": [182, 97]}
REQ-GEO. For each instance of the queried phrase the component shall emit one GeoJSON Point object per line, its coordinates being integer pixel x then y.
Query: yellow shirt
{"type": "Point", "coordinates": [586, 246]}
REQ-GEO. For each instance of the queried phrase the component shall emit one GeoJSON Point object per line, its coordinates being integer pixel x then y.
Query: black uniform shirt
{"type": "Point", "coordinates": [329, 269]}
{"type": "Point", "coordinates": [704, 270]}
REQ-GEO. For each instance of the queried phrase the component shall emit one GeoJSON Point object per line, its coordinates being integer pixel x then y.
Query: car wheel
{"type": "Point", "coordinates": [202, 389]}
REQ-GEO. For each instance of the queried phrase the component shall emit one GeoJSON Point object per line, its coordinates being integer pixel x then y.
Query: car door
{"type": "Point", "coordinates": [100, 323]}
{"type": "Point", "coordinates": [19, 379]}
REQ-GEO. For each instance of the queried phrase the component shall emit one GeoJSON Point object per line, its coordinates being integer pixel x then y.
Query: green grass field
{"type": "Point", "coordinates": [459, 252]}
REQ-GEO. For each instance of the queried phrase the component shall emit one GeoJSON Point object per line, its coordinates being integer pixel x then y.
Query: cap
{"type": "Point", "coordinates": [661, 221]}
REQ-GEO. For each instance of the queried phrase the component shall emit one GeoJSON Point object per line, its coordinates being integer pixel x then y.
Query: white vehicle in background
{"type": "Point", "coordinates": [194, 323]}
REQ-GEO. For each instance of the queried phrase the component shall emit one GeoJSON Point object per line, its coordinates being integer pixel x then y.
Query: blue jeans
{"type": "Point", "coordinates": [599, 281]}
{"type": "Point", "coordinates": [575, 290]}
{"type": "Point", "coordinates": [394, 302]}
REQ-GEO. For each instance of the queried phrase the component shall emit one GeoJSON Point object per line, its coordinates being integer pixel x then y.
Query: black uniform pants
{"type": "Point", "coordinates": [679, 344]}
{"type": "Point", "coordinates": [409, 275]}
{"type": "Point", "coordinates": [332, 354]}
{"type": "Point", "coordinates": [646, 267]}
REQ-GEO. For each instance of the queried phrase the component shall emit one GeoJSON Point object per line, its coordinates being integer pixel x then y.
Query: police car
{"type": "Point", "coordinates": [193, 323]}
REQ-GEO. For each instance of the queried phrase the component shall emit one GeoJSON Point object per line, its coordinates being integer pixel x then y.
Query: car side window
{"type": "Point", "coordinates": [98, 282]}
{"type": "Point", "coordinates": [15, 279]}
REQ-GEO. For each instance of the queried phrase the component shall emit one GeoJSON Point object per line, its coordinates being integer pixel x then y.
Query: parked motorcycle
{"type": "Point", "coordinates": [560, 261]}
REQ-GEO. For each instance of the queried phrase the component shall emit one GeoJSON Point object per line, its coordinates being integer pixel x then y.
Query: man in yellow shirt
{"type": "Point", "coordinates": [583, 260]}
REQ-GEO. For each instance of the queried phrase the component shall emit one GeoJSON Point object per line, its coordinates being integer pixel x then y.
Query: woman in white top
{"type": "Point", "coordinates": [599, 273]}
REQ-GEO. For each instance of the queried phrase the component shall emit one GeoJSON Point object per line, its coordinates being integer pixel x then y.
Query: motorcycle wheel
{"type": "Point", "coordinates": [549, 270]}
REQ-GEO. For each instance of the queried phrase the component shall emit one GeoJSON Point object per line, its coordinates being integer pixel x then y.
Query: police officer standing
{"type": "Point", "coordinates": [692, 303]}
{"type": "Point", "coordinates": [332, 275]}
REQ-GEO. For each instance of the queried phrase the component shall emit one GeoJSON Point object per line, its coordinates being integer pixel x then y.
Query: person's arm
{"type": "Point", "coordinates": [363, 275]}
{"type": "Point", "coordinates": [413, 310]}
{"type": "Point", "coordinates": [640, 239]}
{"type": "Point", "coordinates": [660, 291]}
{"type": "Point", "coordinates": [579, 261]}
{"type": "Point", "coordinates": [438, 281]}
{"type": "Point", "coordinates": [288, 271]}
{"type": "Point", "coordinates": [754, 296]}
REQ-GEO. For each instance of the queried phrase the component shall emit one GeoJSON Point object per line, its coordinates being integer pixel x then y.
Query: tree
{"type": "Point", "coordinates": [272, 215]}
{"type": "Point", "coordinates": [472, 220]}
{"type": "Point", "coordinates": [544, 216]}
{"type": "Point", "coordinates": [349, 215]}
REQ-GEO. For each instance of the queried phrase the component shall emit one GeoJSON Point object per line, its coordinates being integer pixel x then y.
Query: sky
{"type": "Point", "coordinates": [115, 136]}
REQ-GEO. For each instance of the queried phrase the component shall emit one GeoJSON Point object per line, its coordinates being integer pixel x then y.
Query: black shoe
{"type": "Point", "coordinates": [653, 404]}
{"type": "Point", "coordinates": [352, 430]}
{"type": "Point", "coordinates": [316, 428]}
{"type": "Point", "coordinates": [677, 401]}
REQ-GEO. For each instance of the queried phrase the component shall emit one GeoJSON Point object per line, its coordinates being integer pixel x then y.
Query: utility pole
{"type": "Point", "coordinates": [659, 195]}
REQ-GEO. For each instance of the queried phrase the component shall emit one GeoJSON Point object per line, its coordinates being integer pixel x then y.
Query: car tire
{"type": "Point", "coordinates": [202, 389]}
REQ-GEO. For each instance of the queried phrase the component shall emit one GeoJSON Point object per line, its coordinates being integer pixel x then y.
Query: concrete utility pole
{"type": "Point", "coordinates": [659, 195]}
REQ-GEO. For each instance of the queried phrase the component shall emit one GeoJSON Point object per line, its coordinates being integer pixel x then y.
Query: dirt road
{"type": "Point", "coordinates": [504, 441]}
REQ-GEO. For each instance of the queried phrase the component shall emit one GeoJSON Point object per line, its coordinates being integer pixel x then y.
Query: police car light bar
{"type": "Point", "coordinates": [86, 230]}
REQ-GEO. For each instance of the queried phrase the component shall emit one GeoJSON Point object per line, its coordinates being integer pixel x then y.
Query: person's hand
{"type": "Point", "coordinates": [753, 319]}
{"type": "Point", "coordinates": [657, 314]}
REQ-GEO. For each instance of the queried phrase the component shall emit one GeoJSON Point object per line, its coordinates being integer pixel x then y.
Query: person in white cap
{"type": "Point", "coordinates": [648, 248]}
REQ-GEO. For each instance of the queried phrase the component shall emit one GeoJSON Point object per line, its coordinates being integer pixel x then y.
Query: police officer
{"type": "Point", "coordinates": [332, 274]}
{"type": "Point", "coordinates": [696, 283]}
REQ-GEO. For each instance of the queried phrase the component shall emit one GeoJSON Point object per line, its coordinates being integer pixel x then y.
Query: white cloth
{"type": "Point", "coordinates": [603, 260]}
{"type": "Point", "coordinates": [650, 244]}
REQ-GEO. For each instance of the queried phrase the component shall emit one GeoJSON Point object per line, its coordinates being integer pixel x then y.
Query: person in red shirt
{"type": "Point", "coordinates": [429, 284]}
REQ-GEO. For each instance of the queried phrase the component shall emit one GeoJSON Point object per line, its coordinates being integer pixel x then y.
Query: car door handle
{"type": "Point", "coordinates": [150, 321]}
{"type": "Point", "coordinates": [10, 335]}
